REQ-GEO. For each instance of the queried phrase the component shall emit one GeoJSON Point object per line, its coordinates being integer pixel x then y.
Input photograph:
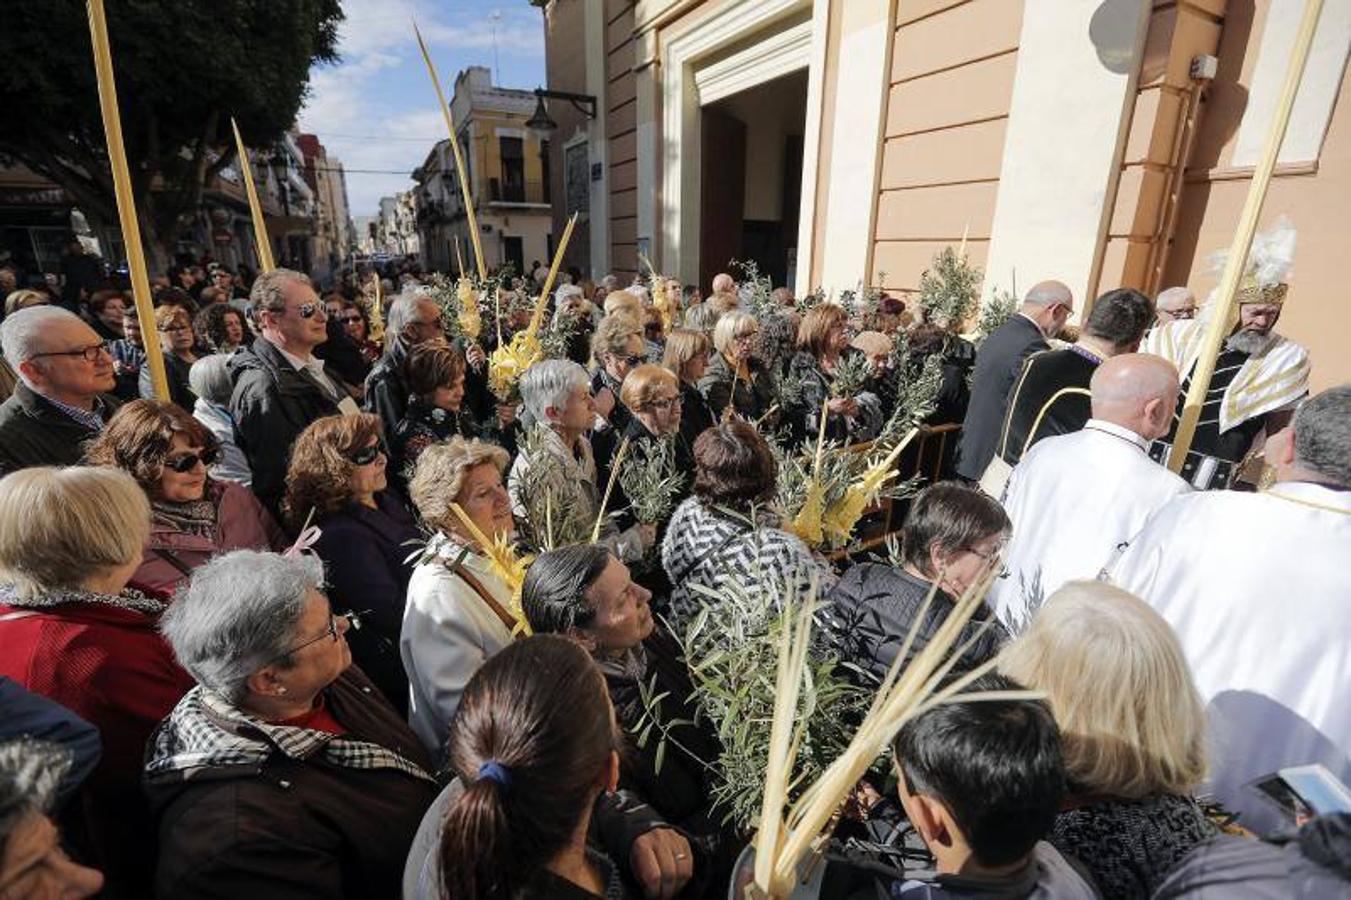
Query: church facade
{"type": "Point", "coordinates": [844, 142]}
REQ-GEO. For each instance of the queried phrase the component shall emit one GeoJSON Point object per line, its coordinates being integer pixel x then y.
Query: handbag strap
{"type": "Point", "coordinates": [172, 559]}
{"type": "Point", "coordinates": [507, 618]}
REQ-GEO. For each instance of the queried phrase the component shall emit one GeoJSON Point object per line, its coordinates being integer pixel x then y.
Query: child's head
{"type": "Point", "coordinates": [981, 780]}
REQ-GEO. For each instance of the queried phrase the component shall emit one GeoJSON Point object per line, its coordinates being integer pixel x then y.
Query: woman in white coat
{"type": "Point", "coordinates": [458, 611]}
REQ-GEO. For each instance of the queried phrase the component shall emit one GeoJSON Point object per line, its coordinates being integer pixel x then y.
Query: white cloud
{"type": "Point", "coordinates": [373, 131]}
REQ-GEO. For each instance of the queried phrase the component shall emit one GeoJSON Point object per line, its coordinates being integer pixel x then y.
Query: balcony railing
{"type": "Point", "coordinates": [517, 192]}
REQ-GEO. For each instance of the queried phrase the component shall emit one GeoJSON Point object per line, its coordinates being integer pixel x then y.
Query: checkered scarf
{"type": "Point", "coordinates": [205, 731]}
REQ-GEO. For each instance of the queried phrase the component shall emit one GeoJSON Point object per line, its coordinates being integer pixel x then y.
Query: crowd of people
{"type": "Point", "coordinates": [264, 636]}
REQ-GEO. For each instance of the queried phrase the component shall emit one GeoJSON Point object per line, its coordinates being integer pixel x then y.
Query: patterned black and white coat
{"type": "Point", "coordinates": [716, 548]}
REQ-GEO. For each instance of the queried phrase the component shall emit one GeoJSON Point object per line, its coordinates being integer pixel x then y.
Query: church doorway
{"type": "Point", "coordinates": [751, 178]}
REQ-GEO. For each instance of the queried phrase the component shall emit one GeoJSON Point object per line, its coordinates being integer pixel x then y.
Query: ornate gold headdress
{"type": "Point", "coordinates": [1269, 262]}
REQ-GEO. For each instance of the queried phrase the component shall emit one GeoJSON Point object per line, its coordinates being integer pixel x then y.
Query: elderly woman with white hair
{"type": "Point", "coordinates": [284, 772]}
{"type": "Point", "coordinates": [560, 407]}
{"type": "Point", "coordinates": [1133, 728]}
{"type": "Point", "coordinates": [458, 611]}
{"type": "Point", "coordinates": [735, 376]}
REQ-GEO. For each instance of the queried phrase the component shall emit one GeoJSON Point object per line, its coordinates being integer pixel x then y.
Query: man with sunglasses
{"type": "Point", "coordinates": [279, 385]}
{"type": "Point", "coordinates": [63, 397]}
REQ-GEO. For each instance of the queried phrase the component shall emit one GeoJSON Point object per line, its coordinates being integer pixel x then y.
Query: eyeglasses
{"type": "Point", "coordinates": [353, 622]}
{"type": "Point", "coordinates": [666, 404]}
{"type": "Point", "coordinates": [90, 353]}
{"type": "Point", "coordinates": [991, 560]}
{"type": "Point", "coordinates": [366, 455]}
{"type": "Point", "coordinates": [188, 461]}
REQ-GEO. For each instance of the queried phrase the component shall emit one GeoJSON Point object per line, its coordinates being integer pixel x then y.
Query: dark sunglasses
{"type": "Point", "coordinates": [366, 455]}
{"type": "Point", "coordinates": [186, 463]}
{"type": "Point", "coordinates": [308, 310]}
{"type": "Point", "coordinates": [349, 319]}
{"type": "Point", "coordinates": [631, 360]}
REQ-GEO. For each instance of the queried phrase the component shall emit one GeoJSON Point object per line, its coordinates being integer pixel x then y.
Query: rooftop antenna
{"type": "Point", "coordinates": [495, 16]}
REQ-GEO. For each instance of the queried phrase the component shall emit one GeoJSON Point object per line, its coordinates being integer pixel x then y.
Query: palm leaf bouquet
{"type": "Point", "coordinates": [797, 804]}
{"type": "Point", "coordinates": [649, 479]}
{"type": "Point", "coordinates": [730, 646]}
{"type": "Point", "coordinates": [557, 512]}
{"type": "Point", "coordinates": [949, 290]}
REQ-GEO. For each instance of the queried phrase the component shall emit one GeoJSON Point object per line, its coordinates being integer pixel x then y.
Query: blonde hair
{"type": "Point", "coordinates": [438, 476]}
{"type": "Point", "coordinates": [722, 303]}
{"type": "Point", "coordinates": [23, 298]}
{"type": "Point", "coordinates": [1129, 713]}
{"type": "Point", "coordinates": [613, 333]}
{"type": "Point", "coordinates": [617, 301]}
{"type": "Point", "coordinates": [641, 385]}
{"type": "Point", "coordinates": [731, 326]}
{"type": "Point", "coordinates": [59, 526]}
{"type": "Point", "coordinates": [684, 345]}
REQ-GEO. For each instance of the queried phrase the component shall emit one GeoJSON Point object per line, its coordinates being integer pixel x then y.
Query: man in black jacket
{"type": "Point", "coordinates": [279, 386]}
{"type": "Point", "coordinates": [1042, 314]}
{"type": "Point", "coordinates": [62, 399]}
{"type": "Point", "coordinates": [411, 319]}
{"type": "Point", "coordinates": [1051, 395]}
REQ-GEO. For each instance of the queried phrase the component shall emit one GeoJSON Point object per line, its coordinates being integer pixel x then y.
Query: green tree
{"type": "Point", "coordinates": [183, 68]}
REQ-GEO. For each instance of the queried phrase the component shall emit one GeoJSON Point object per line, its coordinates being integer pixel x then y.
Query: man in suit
{"type": "Point", "coordinates": [1051, 394]}
{"type": "Point", "coordinates": [1042, 314]}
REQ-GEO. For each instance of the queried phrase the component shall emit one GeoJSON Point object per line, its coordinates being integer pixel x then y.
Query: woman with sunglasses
{"type": "Point", "coordinates": [193, 517]}
{"type": "Point", "coordinates": [284, 773]}
{"type": "Point", "coordinates": [177, 342]}
{"type": "Point", "coordinates": [617, 348]}
{"type": "Point", "coordinates": [338, 481]}
{"type": "Point", "coordinates": [354, 321]}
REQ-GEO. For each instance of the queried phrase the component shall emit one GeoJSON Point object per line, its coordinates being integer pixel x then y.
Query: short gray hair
{"type": "Point", "coordinates": [403, 310]}
{"type": "Point", "coordinates": [1173, 295]}
{"type": "Point", "coordinates": [21, 333]}
{"type": "Point", "coordinates": [237, 613]}
{"type": "Point", "coordinates": [269, 289]}
{"type": "Point", "coordinates": [1323, 434]}
{"type": "Point", "coordinates": [209, 379]}
{"type": "Point", "coordinates": [30, 773]}
{"type": "Point", "coordinates": [1048, 293]}
{"type": "Point", "coordinates": [549, 383]}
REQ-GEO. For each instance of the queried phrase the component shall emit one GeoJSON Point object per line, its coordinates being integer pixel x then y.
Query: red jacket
{"type": "Point", "coordinates": [241, 523]}
{"type": "Point", "coordinates": [107, 664]}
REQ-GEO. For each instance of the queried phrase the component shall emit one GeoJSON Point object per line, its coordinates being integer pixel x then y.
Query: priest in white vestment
{"type": "Point", "coordinates": [1075, 498]}
{"type": "Point", "coordinates": [1258, 588]}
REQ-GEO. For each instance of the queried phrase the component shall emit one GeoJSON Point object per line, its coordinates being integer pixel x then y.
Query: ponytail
{"type": "Point", "coordinates": [477, 859]}
{"type": "Point", "coordinates": [530, 741]}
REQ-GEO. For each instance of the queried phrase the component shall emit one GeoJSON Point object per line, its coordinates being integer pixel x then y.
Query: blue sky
{"type": "Point", "coordinates": [376, 110]}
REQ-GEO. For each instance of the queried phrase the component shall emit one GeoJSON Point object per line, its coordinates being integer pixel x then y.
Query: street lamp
{"type": "Point", "coordinates": [542, 124]}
